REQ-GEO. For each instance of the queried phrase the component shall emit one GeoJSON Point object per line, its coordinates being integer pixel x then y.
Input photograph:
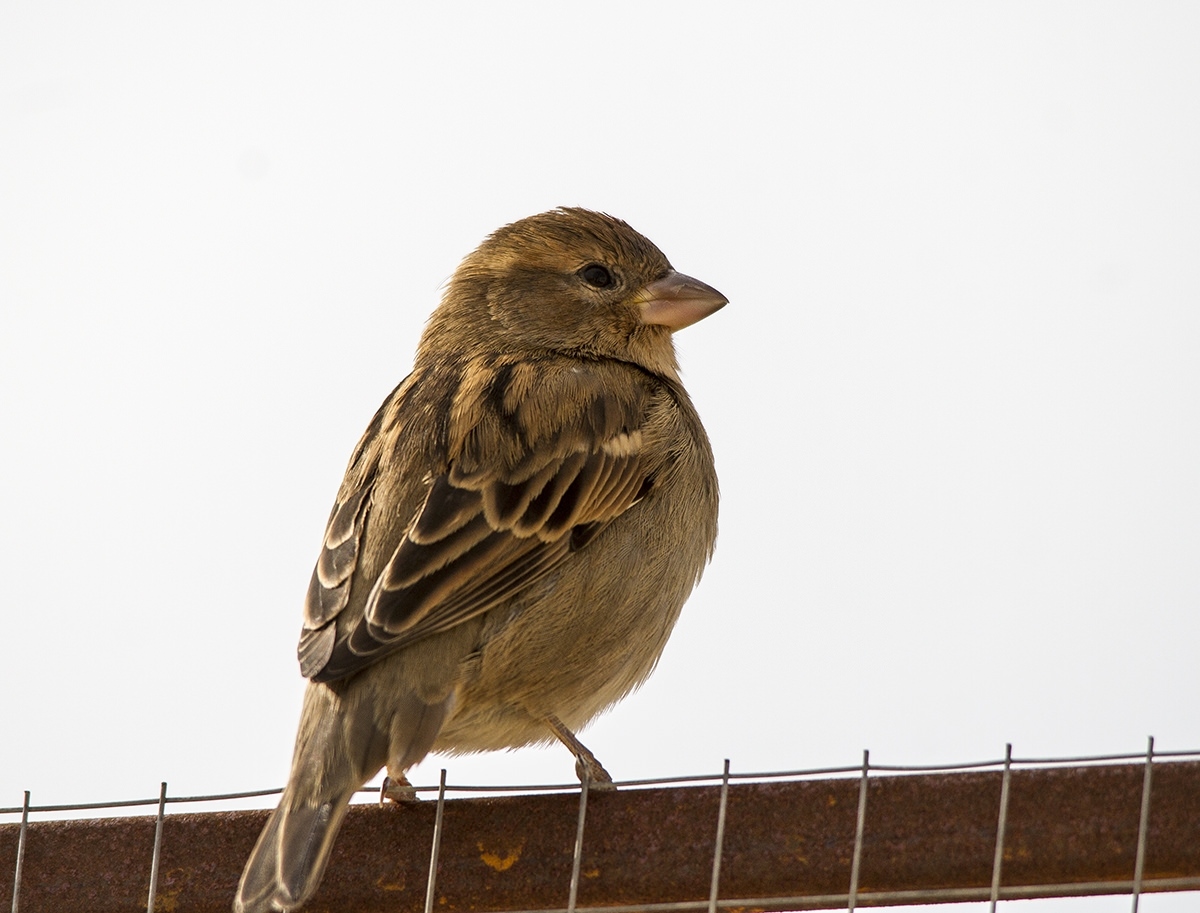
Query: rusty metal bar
{"type": "Point", "coordinates": [787, 845]}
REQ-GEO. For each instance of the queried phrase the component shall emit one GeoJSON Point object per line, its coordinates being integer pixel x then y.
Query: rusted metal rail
{"type": "Point", "coordinates": [786, 845]}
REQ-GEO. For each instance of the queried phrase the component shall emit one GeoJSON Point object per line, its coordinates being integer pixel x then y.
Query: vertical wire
{"type": "Point", "coordinates": [154, 857]}
{"type": "Point", "coordinates": [1001, 826]}
{"type": "Point", "coordinates": [437, 843]}
{"type": "Point", "coordinates": [858, 833]}
{"type": "Point", "coordinates": [16, 904]}
{"type": "Point", "coordinates": [1143, 825]}
{"type": "Point", "coordinates": [575, 863]}
{"type": "Point", "coordinates": [720, 847]}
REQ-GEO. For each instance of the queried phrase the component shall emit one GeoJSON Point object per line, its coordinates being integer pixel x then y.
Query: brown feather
{"type": "Point", "coordinates": [479, 557]}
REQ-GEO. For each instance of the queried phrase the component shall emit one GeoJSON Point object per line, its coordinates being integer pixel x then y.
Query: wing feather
{"type": "Point", "coordinates": [485, 532]}
{"type": "Point", "coordinates": [329, 589]}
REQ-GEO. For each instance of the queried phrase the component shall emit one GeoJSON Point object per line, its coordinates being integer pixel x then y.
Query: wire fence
{"type": "Point", "coordinates": [371, 793]}
{"type": "Point", "coordinates": [865, 772]}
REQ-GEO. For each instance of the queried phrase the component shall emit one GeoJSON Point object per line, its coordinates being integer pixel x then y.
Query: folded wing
{"type": "Point", "coordinates": [486, 530]}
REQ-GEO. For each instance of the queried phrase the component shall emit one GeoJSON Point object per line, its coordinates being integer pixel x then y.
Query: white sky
{"type": "Point", "coordinates": [953, 399]}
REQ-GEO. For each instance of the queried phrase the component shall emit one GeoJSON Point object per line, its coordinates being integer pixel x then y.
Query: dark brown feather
{"type": "Point", "coordinates": [487, 529]}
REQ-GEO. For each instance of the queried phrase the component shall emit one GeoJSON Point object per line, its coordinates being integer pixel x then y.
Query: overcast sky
{"type": "Point", "coordinates": [953, 398]}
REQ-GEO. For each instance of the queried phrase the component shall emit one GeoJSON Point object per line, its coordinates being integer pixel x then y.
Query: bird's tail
{"type": "Point", "coordinates": [342, 743]}
{"type": "Point", "coordinates": [337, 750]}
{"type": "Point", "coordinates": [290, 856]}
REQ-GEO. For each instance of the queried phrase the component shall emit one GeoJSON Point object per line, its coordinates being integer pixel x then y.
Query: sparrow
{"type": "Point", "coordinates": [516, 533]}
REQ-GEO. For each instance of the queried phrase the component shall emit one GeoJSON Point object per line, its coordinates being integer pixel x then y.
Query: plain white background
{"type": "Point", "coordinates": [953, 398]}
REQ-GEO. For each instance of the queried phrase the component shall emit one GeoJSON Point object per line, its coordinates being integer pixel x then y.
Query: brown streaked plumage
{"type": "Point", "coordinates": [516, 533]}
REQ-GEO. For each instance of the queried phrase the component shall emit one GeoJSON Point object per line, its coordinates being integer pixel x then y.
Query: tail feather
{"type": "Point", "coordinates": [289, 859]}
{"type": "Point", "coordinates": [342, 743]}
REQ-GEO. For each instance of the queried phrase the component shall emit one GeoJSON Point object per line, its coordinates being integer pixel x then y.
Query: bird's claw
{"type": "Point", "coordinates": [590, 770]}
{"type": "Point", "coordinates": [587, 768]}
{"type": "Point", "coordinates": [397, 790]}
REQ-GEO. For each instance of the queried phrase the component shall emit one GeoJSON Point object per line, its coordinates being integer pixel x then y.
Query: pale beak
{"type": "Point", "coordinates": [676, 301]}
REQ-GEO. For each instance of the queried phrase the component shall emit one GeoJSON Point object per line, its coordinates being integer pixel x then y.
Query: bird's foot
{"type": "Point", "coordinates": [397, 789]}
{"type": "Point", "coordinates": [589, 769]}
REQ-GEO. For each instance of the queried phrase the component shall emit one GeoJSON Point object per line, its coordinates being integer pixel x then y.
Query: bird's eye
{"type": "Point", "coordinates": [597, 276]}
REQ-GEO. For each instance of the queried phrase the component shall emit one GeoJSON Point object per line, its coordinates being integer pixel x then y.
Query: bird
{"type": "Point", "coordinates": [516, 533]}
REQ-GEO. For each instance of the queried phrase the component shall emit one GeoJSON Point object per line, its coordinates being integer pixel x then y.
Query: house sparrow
{"type": "Point", "coordinates": [516, 533]}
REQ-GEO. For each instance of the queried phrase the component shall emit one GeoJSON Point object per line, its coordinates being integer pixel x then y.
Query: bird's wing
{"type": "Point", "coordinates": [537, 466]}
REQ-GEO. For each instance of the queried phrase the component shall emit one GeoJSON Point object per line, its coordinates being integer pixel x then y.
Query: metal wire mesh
{"type": "Point", "coordinates": [866, 772]}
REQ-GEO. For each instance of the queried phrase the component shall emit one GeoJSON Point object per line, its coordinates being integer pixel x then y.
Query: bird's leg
{"type": "Point", "coordinates": [586, 765]}
{"type": "Point", "coordinates": [397, 789]}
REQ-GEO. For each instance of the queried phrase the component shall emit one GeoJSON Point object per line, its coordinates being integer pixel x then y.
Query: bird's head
{"type": "Point", "coordinates": [570, 281]}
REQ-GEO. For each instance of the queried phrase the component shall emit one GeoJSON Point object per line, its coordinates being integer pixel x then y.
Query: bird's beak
{"type": "Point", "coordinates": [676, 301]}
